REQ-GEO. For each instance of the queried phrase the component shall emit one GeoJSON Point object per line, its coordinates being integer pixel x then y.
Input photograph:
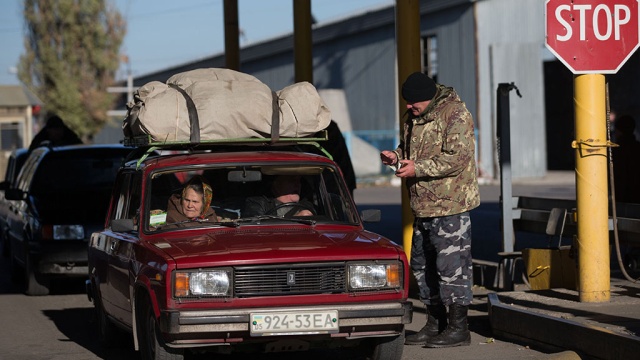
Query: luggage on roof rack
{"type": "Point", "coordinates": [222, 104]}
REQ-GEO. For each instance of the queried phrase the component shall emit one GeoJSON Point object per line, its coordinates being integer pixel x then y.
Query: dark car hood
{"type": "Point", "coordinates": [252, 246]}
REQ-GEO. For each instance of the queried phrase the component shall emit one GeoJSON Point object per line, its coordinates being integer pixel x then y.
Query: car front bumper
{"type": "Point", "coordinates": [222, 327]}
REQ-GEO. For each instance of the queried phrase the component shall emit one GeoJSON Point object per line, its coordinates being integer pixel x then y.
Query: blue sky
{"type": "Point", "coordinates": [162, 33]}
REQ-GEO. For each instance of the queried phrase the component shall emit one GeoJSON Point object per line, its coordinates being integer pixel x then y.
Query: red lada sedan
{"type": "Point", "coordinates": [250, 270]}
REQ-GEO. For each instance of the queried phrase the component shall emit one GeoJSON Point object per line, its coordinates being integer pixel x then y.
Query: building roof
{"type": "Point", "coordinates": [17, 95]}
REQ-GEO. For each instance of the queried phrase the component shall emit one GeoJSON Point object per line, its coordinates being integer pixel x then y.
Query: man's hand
{"type": "Point", "coordinates": [407, 169]}
{"type": "Point", "coordinates": [388, 157]}
{"type": "Point", "coordinates": [304, 213]}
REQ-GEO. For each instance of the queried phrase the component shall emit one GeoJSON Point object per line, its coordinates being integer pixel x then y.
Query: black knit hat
{"type": "Point", "coordinates": [418, 87]}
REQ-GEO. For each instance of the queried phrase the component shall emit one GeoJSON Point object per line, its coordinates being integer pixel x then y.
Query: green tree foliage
{"type": "Point", "coordinates": [71, 57]}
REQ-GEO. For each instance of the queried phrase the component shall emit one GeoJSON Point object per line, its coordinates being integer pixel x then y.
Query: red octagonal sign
{"type": "Point", "coordinates": [592, 36]}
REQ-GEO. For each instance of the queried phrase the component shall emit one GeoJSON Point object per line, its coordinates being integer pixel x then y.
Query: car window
{"type": "Point", "coordinates": [28, 169]}
{"type": "Point", "coordinates": [127, 197]}
{"type": "Point", "coordinates": [236, 188]}
{"type": "Point", "coordinates": [16, 160]}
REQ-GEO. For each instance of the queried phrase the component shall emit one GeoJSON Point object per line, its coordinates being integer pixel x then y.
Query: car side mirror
{"type": "Point", "coordinates": [122, 225]}
{"type": "Point", "coordinates": [15, 194]}
{"type": "Point", "coordinates": [371, 215]}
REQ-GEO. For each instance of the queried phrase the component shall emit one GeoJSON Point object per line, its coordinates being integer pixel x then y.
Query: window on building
{"type": "Point", "coordinates": [430, 56]}
{"type": "Point", "coordinates": [10, 136]}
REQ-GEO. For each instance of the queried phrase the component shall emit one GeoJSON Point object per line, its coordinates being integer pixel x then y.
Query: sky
{"type": "Point", "coordinates": [164, 33]}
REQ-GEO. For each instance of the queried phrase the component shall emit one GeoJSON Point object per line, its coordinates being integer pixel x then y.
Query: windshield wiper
{"type": "Point", "coordinates": [259, 218]}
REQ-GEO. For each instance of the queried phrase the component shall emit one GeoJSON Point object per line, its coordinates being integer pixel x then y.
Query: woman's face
{"type": "Point", "coordinates": [192, 203]}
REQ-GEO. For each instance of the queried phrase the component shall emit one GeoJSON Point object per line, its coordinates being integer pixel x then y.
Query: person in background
{"type": "Point", "coordinates": [436, 158]}
{"type": "Point", "coordinates": [337, 147]}
{"type": "Point", "coordinates": [284, 200]}
{"type": "Point", "coordinates": [626, 170]}
{"type": "Point", "coordinates": [193, 204]}
{"type": "Point", "coordinates": [54, 133]}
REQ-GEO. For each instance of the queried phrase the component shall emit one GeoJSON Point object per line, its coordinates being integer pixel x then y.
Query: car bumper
{"type": "Point", "coordinates": [64, 259]}
{"type": "Point", "coordinates": [224, 327]}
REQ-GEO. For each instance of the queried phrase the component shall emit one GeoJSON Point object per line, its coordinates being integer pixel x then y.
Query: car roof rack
{"type": "Point", "coordinates": [145, 145]}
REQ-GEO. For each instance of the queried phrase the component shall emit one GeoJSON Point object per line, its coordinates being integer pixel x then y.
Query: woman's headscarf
{"type": "Point", "coordinates": [200, 185]}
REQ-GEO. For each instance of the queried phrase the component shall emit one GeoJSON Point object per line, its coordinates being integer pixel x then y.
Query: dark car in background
{"type": "Point", "coordinates": [60, 197]}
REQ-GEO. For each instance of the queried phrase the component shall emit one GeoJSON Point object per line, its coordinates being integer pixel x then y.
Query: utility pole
{"type": "Point", "coordinates": [129, 89]}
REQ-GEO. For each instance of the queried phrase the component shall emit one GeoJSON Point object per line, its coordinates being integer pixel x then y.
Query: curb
{"type": "Point", "coordinates": [548, 331]}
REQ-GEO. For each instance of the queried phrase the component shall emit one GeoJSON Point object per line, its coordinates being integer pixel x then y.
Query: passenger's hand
{"type": "Point", "coordinates": [304, 213]}
{"type": "Point", "coordinates": [388, 157]}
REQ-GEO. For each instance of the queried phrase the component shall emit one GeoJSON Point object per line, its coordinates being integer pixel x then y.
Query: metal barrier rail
{"type": "Point", "coordinates": [556, 218]}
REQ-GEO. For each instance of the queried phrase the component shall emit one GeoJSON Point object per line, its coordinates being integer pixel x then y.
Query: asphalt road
{"type": "Point", "coordinates": [61, 325]}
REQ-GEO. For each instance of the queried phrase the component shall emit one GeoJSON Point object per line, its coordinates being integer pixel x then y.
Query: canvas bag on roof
{"type": "Point", "coordinates": [229, 105]}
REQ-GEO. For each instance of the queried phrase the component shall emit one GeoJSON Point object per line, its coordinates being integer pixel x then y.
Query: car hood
{"type": "Point", "coordinates": [253, 246]}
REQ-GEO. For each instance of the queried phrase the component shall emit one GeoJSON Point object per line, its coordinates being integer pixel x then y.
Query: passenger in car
{"type": "Point", "coordinates": [284, 200]}
{"type": "Point", "coordinates": [193, 204]}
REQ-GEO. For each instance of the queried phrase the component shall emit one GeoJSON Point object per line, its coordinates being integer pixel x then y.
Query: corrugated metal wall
{"type": "Point", "coordinates": [359, 55]}
{"type": "Point", "coordinates": [510, 43]}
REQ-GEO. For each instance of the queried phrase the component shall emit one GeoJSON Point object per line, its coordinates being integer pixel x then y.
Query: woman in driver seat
{"type": "Point", "coordinates": [284, 200]}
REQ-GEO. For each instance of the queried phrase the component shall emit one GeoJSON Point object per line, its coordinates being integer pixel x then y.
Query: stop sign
{"type": "Point", "coordinates": [592, 36]}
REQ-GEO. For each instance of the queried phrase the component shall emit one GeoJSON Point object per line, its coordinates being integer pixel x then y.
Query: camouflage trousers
{"type": "Point", "coordinates": [441, 259]}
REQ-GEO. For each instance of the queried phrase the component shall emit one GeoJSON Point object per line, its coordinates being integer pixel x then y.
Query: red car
{"type": "Point", "coordinates": [307, 277]}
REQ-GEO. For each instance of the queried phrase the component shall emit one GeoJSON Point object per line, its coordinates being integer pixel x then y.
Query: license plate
{"type": "Point", "coordinates": [299, 322]}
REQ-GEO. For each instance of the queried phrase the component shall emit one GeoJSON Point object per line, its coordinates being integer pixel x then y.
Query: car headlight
{"type": "Point", "coordinates": [202, 283]}
{"type": "Point", "coordinates": [375, 276]}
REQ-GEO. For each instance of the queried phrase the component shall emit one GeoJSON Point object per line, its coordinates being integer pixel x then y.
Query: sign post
{"type": "Point", "coordinates": [592, 38]}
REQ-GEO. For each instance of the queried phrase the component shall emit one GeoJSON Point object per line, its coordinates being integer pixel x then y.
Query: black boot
{"type": "Point", "coordinates": [456, 333]}
{"type": "Point", "coordinates": [436, 323]}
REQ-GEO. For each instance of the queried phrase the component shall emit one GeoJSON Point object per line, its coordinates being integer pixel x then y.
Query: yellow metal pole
{"type": "Point", "coordinates": [591, 188]}
{"type": "Point", "coordinates": [409, 56]}
{"type": "Point", "coordinates": [302, 41]}
{"type": "Point", "coordinates": [409, 60]}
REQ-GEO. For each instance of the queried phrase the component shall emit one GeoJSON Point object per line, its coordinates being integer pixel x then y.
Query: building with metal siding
{"type": "Point", "coordinates": [357, 54]}
{"type": "Point", "coordinates": [510, 49]}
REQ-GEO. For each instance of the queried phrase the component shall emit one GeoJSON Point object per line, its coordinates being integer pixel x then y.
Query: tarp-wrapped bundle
{"type": "Point", "coordinates": [223, 104]}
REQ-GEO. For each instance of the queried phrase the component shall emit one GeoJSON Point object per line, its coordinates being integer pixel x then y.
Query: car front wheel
{"type": "Point", "coordinates": [387, 348]}
{"type": "Point", "coordinates": [152, 346]}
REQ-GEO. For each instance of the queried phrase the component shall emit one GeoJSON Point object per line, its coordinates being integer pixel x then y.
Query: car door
{"type": "Point", "coordinates": [17, 216]}
{"type": "Point", "coordinates": [117, 288]}
{"type": "Point", "coordinates": [14, 164]}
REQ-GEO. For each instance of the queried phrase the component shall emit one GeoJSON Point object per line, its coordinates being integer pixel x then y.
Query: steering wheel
{"type": "Point", "coordinates": [293, 206]}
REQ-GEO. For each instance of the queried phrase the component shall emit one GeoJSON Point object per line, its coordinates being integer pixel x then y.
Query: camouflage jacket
{"type": "Point", "coordinates": [441, 142]}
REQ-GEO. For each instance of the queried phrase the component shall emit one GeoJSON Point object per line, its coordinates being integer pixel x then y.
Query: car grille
{"type": "Point", "coordinates": [290, 279]}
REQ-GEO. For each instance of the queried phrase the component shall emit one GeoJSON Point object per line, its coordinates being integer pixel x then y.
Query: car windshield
{"type": "Point", "coordinates": [245, 195]}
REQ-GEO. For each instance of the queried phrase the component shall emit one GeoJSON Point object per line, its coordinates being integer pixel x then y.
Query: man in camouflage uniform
{"type": "Point", "coordinates": [436, 158]}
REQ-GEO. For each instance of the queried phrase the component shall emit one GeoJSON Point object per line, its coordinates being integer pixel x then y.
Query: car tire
{"type": "Point", "coordinates": [36, 284]}
{"type": "Point", "coordinates": [152, 346]}
{"type": "Point", "coordinates": [15, 270]}
{"type": "Point", "coordinates": [4, 244]}
{"type": "Point", "coordinates": [387, 348]}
